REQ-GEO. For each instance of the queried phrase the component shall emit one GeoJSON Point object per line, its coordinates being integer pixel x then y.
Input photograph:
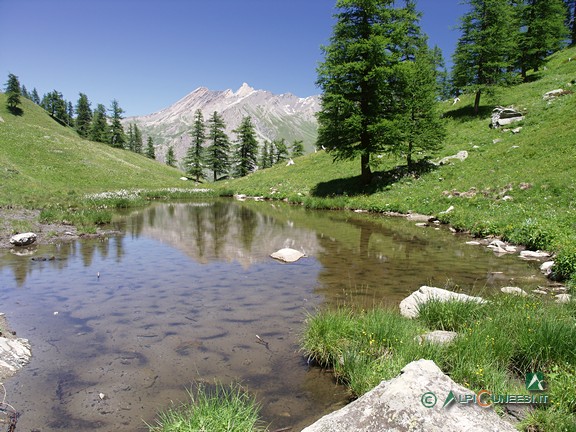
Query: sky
{"type": "Point", "coordinates": [148, 54]}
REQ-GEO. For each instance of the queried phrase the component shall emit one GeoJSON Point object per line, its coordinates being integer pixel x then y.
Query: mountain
{"type": "Point", "coordinates": [274, 117]}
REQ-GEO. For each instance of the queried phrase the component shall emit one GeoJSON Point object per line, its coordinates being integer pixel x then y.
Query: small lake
{"type": "Point", "coordinates": [122, 326]}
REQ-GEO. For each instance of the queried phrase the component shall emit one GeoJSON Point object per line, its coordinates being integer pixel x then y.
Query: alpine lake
{"type": "Point", "coordinates": [124, 326]}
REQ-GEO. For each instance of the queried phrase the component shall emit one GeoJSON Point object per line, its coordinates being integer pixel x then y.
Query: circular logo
{"type": "Point", "coordinates": [428, 399]}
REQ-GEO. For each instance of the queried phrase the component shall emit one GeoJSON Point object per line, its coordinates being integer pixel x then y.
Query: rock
{"type": "Point", "coordinates": [448, 210]}
{"type": "Point", "coordinates": [461, 156]}
{"type": "Point", "coordinates": [514, 290]}
{"type": "Point", "coordinates": [287, 255]}
{"type": "Point", "coordinates": [537, 291]}
{"type": "Point", "coordinates": [240, 197]}
{"type": "Point", "coordinates": [563, 298]}
{"type": "Point", "coordinates": [14, 353]}
{"type": "Point", "coordinates": [527, 254]}
{"type": "Point", "coordinates": [23, 239]}
{"type": "Point", "coordinates": [553, 94]}
{"type": "Point", "coordinates": [500, 247]}
{"type": "Point", "coordinates": [410, 305]}
{"type": "Point", "coordinates": [184, 178]}
{"type": "Point", "coordinates": [504, 116]}
{"type": "Point", "coordinates": [1, 120]}
{"type": "Point", "coordinates": [497, 140]}
{"type": "Point", "coordinates": [439, 337]}
{"type": "Point", "coordinates": [546, 267]}
{"type": "Point", "coordinates": [290, 162]}
{"type": "Point", "coordinates": [473, 243]}
{"type": "Point", "coordinates": [516, 130]}
{"type": "Point", "coordinates": [416, 217]}
{"type": "Point", "coordinates": [399, 405]}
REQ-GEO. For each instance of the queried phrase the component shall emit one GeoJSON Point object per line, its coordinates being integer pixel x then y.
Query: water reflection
{"type": "Point", "coordinates": [185, 288]}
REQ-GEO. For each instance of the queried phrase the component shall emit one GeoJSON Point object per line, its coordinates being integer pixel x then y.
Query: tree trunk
{"type": "Point", "coordinates": [477, 102]}
{"type": "Point", "coordinates": [366, 171]}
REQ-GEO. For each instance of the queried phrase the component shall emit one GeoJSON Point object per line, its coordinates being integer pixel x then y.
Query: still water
{"type": "Point", "coordinates": [122, 326]}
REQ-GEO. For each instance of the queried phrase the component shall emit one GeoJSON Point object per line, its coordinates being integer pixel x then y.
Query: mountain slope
{"type": "Point", "coordinates": [42, 160]}
{"type": "Point", "coordinates": [274, 116]}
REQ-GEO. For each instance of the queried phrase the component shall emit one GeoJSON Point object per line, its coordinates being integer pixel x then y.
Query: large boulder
{"type": "Point", "coordinates": [399, 405]}
{"type": "Point", "coordinates": [23, 239]}
{"type": "Point", "coordinates": [14, 354]}
{"type": "Point", "coordinates": [409, 307]}
{"type": "Point", "coordinates": [504, 116]}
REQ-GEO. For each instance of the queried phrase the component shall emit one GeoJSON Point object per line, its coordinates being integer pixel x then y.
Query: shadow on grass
{"type": "Point", "coordinates": [467, 113]}
{"type": "Point", "coordinates": [15, 110]}
{"type": "Point", "coordinates": [381, 180]}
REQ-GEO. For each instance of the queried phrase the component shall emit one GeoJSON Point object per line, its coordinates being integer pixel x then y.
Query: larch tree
{"type": "Point", "coordinates": [99, 128]}
{"type": "Point", "coordinates": [280, 150]}
{"type": "Point", "coordinates": [297, 148]}
{"type": "Point", "coordinates": [194, 160]}
{"type": "Point", "coordinates": [360, 108]}
{"type": "Point", "coordinates": [117, 136]}
{"type": "Point", "coordinates": [83, 116]}
{"type": "Point", "coordinates": [138, 140]}
{"type": "Point", "coordinates": [246, 160]}
{"type": "Point", "coordinates": [170, 157]}
{"type": "Point", "coordinates": [13, 93]}
{"type": "Point", "coordinates": [544, 31]}
{"type": "Point", "coordinates": [487, 49]}
{"type": "Point", "coordinates": [218, 152]}
{"type": "Point", "coordinates": [150, 152]}
{"type": "Point", "coordinates": [265, 155]}
{"type": "Point", "coordinates": [35, 97]}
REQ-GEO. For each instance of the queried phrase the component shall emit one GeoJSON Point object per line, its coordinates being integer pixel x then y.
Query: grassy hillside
{"type": "Point", "coordinates": [520, 186]}
{"type": "Point", "coordinates": [43, 162]}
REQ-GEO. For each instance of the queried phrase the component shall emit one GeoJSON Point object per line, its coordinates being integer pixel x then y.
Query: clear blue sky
{"type": "Point", "coordinates": [147, 54]}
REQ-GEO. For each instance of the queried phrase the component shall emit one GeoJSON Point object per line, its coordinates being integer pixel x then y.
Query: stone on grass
{"type": "Point", "coordinates": [563, 298]}
{"type": "Point", "coordinates": [23, 239]}
{"type": "Point", "coordinates": [287, 255]}
{"type": "Point", "coordinates": [514, 290]}
{"type": "Point", "coordinates": [438, 337]}
{"type": "Point", "coordinates": [546, 267]}
{"type": "Point", "coordinates": [399, 405]}
{"type": "Point", "coordinates": [527, 254]}
{"type": "Point", "coordinates": [409, 307]}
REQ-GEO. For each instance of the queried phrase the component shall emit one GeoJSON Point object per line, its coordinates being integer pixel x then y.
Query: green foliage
{"type": "Point", "coordinates": [13, 92]}
{"type": "Point", "coordinates": [83, 116]}
{"type": "Point", "coordinates": [545, 32]}
{"type": "Point", "coordinates": [217, 158]}
{"type": "Point", "coordinates": [487, 49]}
{"type": "Point", "coordinates": [219, 409]}
{"type": "Point", "coordinates": [297, 148]}
{"type": "Point", "coordinates": [99, 127]}
{"type": "Point", "coordinates": [364, 82]}
{"type": "Point", "coordinates": [450, 315]}
{"type": "Point", "coordinates": [246, 157]}
{"type": "Point", "coordinates": [150, 152]}
{"type": "Point", "coordinates": [194, 160]}
{"type": "Point", "coordinates": [170, 157]}
{"type": "Point", "coordinates": [117, 136]}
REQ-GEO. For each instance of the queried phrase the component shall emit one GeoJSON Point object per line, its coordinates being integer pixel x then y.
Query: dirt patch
{"type": "Point", "coordinates": [19, 220]}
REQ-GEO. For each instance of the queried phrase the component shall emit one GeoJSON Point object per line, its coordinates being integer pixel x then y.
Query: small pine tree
{"type": "Point", "coordinates": [218, 158]}
{"type": "Point", "coordinates": [13, 92]}
{"type": "Point", "coordinates": [138, 140]}
{"type": "Point", "coordinates": [265, 156]}
{"type": "Point", "coordinates": [99, 127]}
{"type": "Point", "coordinates": [246, 148]}
{"type": "Point", "coordinates": [117, 135]}
{"type": "Point", "coordinates": [297, 148]}
{"type": "Point", "coordinates": [83, 116]}
{"type": "Point", "coordinates": [170, 158]}
{"type": "Point", "coordinates": [280, 150]}
{"type": "Point", "coordinates": [150, 152]}
{"type": "Point", "coordinates": [35, 97]}
{"type": "Point", "coordinates": [25, 92]}
{"type": "Point", "coordinates": [194, 159]}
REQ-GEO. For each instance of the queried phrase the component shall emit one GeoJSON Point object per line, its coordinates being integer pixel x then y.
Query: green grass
{"type": "Point", "coordinates": [216, 409]}
{"type": "Point", "coordinates": [44, 165]}
{"type": "Point", "coordinates": [534, 169]}
{"type": "Point", "coordinates": [498, 343]}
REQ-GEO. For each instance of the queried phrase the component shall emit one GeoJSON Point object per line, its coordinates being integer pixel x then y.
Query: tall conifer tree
{"type": "Point", "coordinates": [150, 152]}
{"type": "Point", "coordinates": [246, 148]}
{"type": "Point", "coordinates": [218, 157]}
{"type": "Point", "coordinates": [117, 136]}
{"type": "Point", "coordinates": [13, 92]}
{"type": "Point", "coordinates": [83, 116]}
{"type": "Point", "coordinates": [486, 52]}
{"type": "Point", "coordinates": [194, 160]}
{"type": "Point", "coordinates": [99, 128]}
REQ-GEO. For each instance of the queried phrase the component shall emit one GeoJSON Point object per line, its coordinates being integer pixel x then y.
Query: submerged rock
{"type": "Point", "coordinates": [14, 354]}
{"type": "Point", "coordinates": [413, 401]}
{"type": "Point", "coordinates": [287, 255]}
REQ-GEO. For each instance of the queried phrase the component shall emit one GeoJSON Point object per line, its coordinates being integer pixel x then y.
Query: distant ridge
{"type": "Point", "coordinates": [274, 116]}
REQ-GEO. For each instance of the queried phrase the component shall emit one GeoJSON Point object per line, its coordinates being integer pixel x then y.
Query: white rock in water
{"type": "Point", "coordinates": [287, 255]}
{"type": "Point", "coordinates": [409, 307]}
{"type": "Point", "coordinates": [23, 239]}
{"type": "Point", "coordinates": [534, 254]}
{"type": "Point", "coordinates": [514, 290]}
